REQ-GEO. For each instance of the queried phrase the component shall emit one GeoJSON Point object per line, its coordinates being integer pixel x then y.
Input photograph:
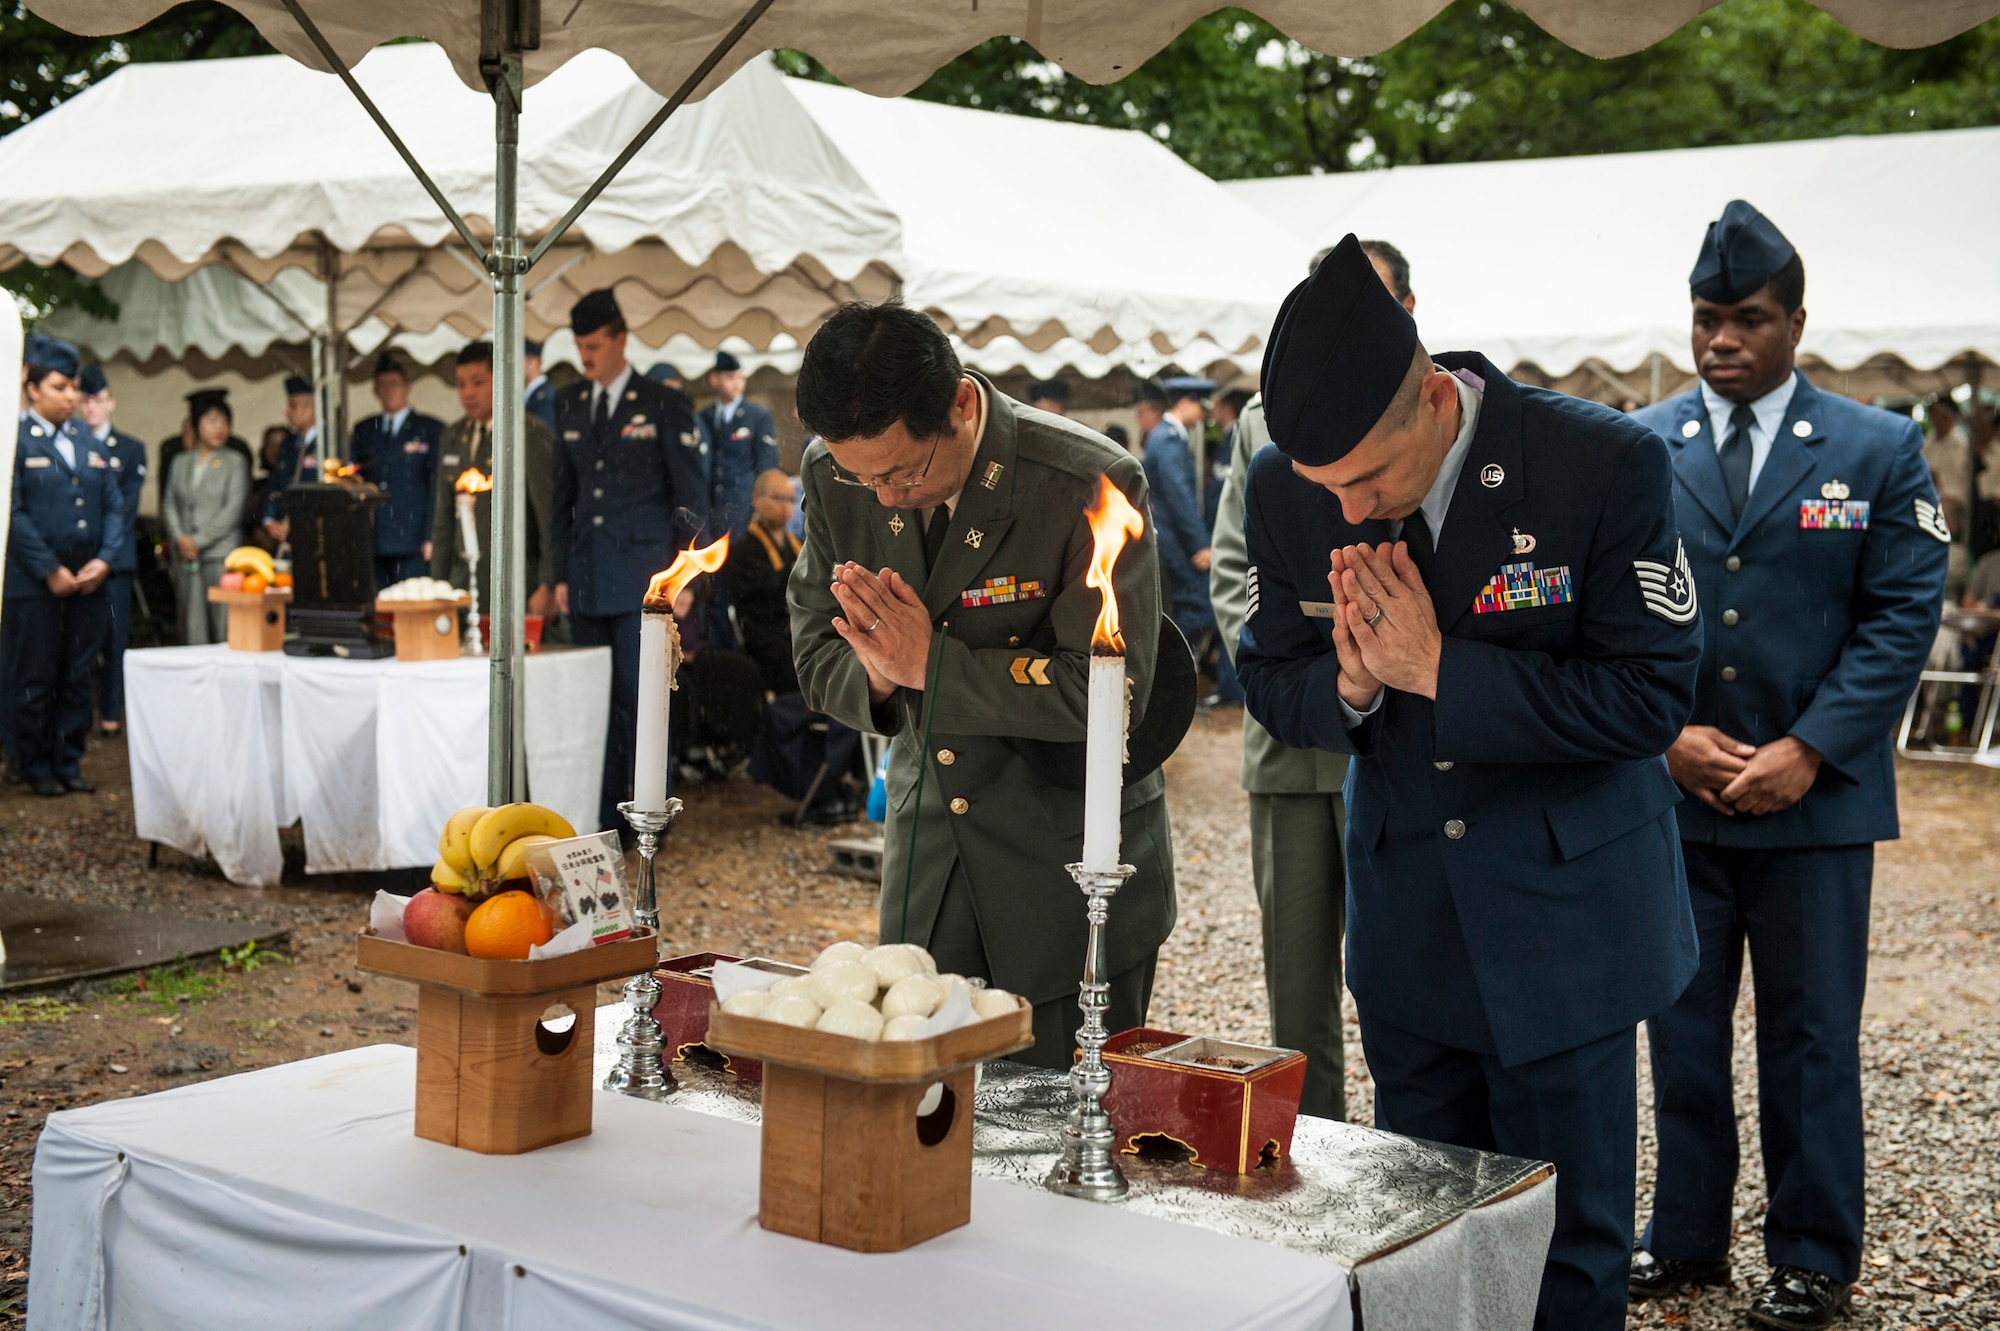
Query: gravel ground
{"type": "Point", "coordinates": [739, 882]}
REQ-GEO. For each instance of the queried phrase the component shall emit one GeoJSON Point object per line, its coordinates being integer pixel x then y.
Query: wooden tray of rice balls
{"type": "Point", "coordinates": [869, 1015]}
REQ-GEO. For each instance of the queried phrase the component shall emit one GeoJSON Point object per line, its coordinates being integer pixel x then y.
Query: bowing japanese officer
{"type": "Point", "coordinates": [126, 456]}
{"type": "Point", "coordinates": [625, 450]}
{"type": "Point", "coordinates": [941, 601]}
{"type": "Point", "coordinates": [398, 451]}
{"type": "Point", "coordinates": [1476, 587]}
{"type": "Point", "coordinates": [1816, 538]}
{"type": "Point", "coordinates": [66, 528]}
{"type": "Point", "coordinates": [298, 456]}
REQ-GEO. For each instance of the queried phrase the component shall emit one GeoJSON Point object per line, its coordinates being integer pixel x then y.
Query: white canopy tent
{"type": "Point", "coordinates": [879, 46]}
{"type": "Point", "coordinates": [1580, 265]}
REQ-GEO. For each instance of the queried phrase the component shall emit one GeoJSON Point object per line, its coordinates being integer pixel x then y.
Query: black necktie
{"type": "Point", "coordinates": [600, 414]}
{"type": "Point", "coordinates": [940, 522]}
{"type": "Point", "coordinates": [1417, 533]}
{"type": "Point", "coordinates": [1735, 459]}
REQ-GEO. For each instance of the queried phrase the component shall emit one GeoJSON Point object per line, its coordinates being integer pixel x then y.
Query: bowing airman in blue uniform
{"type": "Point", "coordinates": [126, 457]}
{"type": "Point", "coordinates": [1169, 410]}
{"type": "Point", "coordinates": [1505, 636]}
{"type": "Point", "coordinates": [298, 456]}
{"type": "Point", "coordinates": [67, 526]}
{"type": "Point", "coordinates": [739, 443]}
{"type": "Point", "coordinates": [1816, 538]}
{"type": "Point", "coordinates": [398, 451]}
{"type": "Point", "coordinates": [625, 450]}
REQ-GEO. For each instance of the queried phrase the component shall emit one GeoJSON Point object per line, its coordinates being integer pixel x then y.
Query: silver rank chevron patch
{"type": "Point", "coordinates": [1250, 609]}
{"type": "Point", "coordinates": [1669, 592]}
{"type": "Point", "coordinates": [1932, 521]}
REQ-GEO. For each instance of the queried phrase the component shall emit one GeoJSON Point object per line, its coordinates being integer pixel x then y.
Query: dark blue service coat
{"type": "Point", "coordinates": [403, 462]}
{"type": "Point", "coordinates": [126, 456]}
{"type": "Point", "coordinates": [62, 515]}
{"type": "Point", "coordinates": [1515, 883]}
{"type": "Point", "coordinates": [1177, 520]}
{"type": "Point", "coordinates": [541, 401]}
{"type": "Point", "coordinates": [298, 460]}
{"type": "Point", "coordinates": [617, 517]}
{"type": "Point", "coordinates": [1821, 604]}
{"type": "Point", "coordinates": [733, 456]}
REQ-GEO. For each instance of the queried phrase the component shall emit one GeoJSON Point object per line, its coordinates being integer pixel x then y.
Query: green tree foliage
{"type": "Point", "coordinates": [41, 66]}
{"type": "Point", "coordinates": [1481, 82]}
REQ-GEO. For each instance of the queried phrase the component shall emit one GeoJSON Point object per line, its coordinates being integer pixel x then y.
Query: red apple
{"type": "Point", "coordinates": [437, 919]}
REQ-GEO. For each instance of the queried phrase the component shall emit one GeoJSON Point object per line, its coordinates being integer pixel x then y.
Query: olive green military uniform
{"type": "Point", "coordinates": [987, 889]}
{"type": "Point", "coordinates": [1296, 827]}
{"type": "Point", "coordinates": [469, 443]}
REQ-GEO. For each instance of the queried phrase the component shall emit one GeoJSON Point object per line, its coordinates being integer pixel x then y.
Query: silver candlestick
{"type": "Point", "coordinates": [1089, 1167]}
{"type": "Point", "coordinates": [642, 1069]}
{"type": "Point", "coordinates": [473, 645]}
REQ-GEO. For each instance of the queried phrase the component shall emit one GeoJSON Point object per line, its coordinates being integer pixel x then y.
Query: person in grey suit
{"type": "Point", "coordinates": [203, 514]}
{"type": "Point", "coordinates": [1296, 820]}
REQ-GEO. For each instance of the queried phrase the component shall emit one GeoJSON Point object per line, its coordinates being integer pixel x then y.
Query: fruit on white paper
{"type": "Point", "coordinates": [447, 877]}
{"type": "Point", "coordinates": [513, 861]}
{"type": "Point", "coordinates": [749, 1003]}
{"type": "Point", "coordinates": [990, 1003]}
{"type": "Point", "coordinates": [249, 559]}
{"type": "Point", "coordinates": [841, 951]}
{"type": "Point", "coordinates": [842, 981]}
{"type": "Point", "coordinates": [452, 847]}
{"type": "Point", "coordinates": [510, 822]}
{"type": "Point", "coordinates": [436, 919]}
{"type": "Point", "coordinates": [852, 1018]}
{"type": "Point", "coordinates": [792, 1010]}
{"type": "Point", "coordinates": [901, 1028]}
{"type": "Point", "coordinates": [913, 996]}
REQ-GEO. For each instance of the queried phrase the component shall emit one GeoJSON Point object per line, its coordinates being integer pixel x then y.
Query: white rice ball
{"type": "Point", "coordinates": [790, 986]}
{"type": "Point", "coordinates": [841, 951]}
{"type": "Point", "coordinates": [852, 1018]}
{"type": "Point", "coordinates": [842, 981]}
{"type": "Point", "coordinates": [792, 1010]}
{"type": "Point", "coordinates": [894, 961]}
{"type": "Point", "coordinates": [990, 1003]}
{"type": "Point", "coordinates": [901, 1028]}
{"type": "Point", "coordinates": [749, 1003]}
{"type": "Point", "coordinates": [913, 996]}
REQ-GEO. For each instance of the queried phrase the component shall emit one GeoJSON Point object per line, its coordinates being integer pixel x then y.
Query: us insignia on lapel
{"type": "Point", "coordinates": [1932, 521]}
{"type": "Point", "coordinates": [1522, 586]}
{"type": "Point", "coordinates": [1001, 591]}
{"type": "Point", "coordinates": [1668, 592]}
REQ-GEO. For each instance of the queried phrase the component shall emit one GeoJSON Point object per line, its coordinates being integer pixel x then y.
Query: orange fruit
{"type": "Point", "coordinates": [504, 927]}
{"type": "Point", "coordinates": [253, 583]}
{"type": "Point", "coordinates": [284, 579]}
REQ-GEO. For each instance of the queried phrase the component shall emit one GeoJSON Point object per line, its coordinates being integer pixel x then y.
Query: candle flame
{"type": "Point", "coordinates": [1113, 521]}
{"type": "Point", "coordinates": [687, 566]}
{"type": "Point", "coordinates": [473, 481]}
{"type": "Point", "coordinates": [335, 471]}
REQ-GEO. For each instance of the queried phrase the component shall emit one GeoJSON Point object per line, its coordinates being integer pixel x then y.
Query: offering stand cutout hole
{"type": "Point", "coordinates": [555, 1029]}
{"type": "Point", "coordinates": [934, 1125]}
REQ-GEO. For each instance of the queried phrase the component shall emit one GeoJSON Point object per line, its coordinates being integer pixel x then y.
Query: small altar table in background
{"type": "Point", "coordinates": [370, 756]}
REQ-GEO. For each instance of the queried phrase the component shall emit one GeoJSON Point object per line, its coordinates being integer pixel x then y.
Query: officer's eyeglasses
{"type": "Point", "coordinates": [846, 477]}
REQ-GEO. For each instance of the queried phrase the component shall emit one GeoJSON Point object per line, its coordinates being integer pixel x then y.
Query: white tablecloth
{"type": "Point", "coordinates": [372, 756]}
{"type": "Point", "coordinates": [298, 1196]}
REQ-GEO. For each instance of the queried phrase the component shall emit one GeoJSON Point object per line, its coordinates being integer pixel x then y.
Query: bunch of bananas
{"type": "Point", "coordinates": [250, 559]}
{"type": "Point", "coordinates": [482, 848]}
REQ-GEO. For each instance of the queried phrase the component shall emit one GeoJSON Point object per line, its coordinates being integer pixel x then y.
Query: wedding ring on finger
{"type": "Point", "coordinates": [872, 627]}
{"type": "Point", "coordinates": [1375, 619]}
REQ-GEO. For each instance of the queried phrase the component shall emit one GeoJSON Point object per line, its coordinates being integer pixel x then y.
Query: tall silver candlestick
{"type": "Point", "coordinates": [473, 645]}
{"type": "Point", "coordinates": [642, 1069]}
{"type": "Point", "coordinates": [1089, 1165]}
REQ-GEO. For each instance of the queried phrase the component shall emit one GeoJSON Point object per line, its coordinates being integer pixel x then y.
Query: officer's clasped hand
{"type": "Point", "coordinates": [887, 626]}
{"type": "Point", "coordinates": [1383, 606]}
{"type": "Point", "coordinates": [1357, 687]}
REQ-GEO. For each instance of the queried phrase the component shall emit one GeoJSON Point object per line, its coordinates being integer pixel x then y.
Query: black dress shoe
{"type": "Point", "coordinates": [1795, 1299]}
{"type": "Point", "coordinates": [1656, 1277]}
{"type": "Point", "coordinates": [79, 785]}
{"type": "Point", "coordinates": [46, 786]}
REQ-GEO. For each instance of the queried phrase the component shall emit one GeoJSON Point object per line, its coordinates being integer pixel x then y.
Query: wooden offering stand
{"type": "Point", "coordinates": [256, 619]}
{"type": "Point", "coordinates": [686, 995]}
{"type": "Point", "coordinates": [425, 630]}
{"type": "Point", "coordinates": [492, 1075]}
{"type": "Point", "coordinates": [1232, 1106]}
{"type": "Point", "coordinates": [846, 1158]}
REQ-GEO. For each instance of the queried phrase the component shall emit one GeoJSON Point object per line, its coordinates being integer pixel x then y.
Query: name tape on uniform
{"type": "Point", "coordinates": [1524, 587]}
{"type": "Point", "coordinates": [1001, 591]}
{"type": "Point", "coordinates": [1668, 592]}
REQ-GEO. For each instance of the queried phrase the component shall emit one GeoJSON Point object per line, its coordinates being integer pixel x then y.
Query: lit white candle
{"type": "Point", "coordinates": [659, 657]}
{"type": "Point", "coordinates": [468, 534]}
{"type": "Point", "coordinates": [1113, 521]}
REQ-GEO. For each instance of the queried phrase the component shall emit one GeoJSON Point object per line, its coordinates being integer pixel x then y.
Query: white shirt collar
{"type": "Point", "coordinates": [726, 411]}
{"type": "Point", "coordinates": [616, 388]}
{"type": "Point", "coordinates": [533, 384]}
{"type": "Point", "coordinates": [1438, 498]}
{"type": "Point", "coordinates": [102, 432]}
{"type": "Point", "coordinates": [396, 419]}
{"type": "Point", "coordinates": [978, 441]}
{"type": "Point", "coordinates": [1769, 411]}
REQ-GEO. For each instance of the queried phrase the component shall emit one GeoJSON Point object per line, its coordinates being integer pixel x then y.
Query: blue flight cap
{"type": "Point", "coordinates": [1187, 385]}
{"type": "Point", "coordinates": [665, 373]}
{"type": "Point", "coordinates": [297, 385]}
{"type": "Point", "coordinates": [530, 347]}
{"type": "Point", "coordinates": [387, 363]}
{"type": "Point", "coordinates": [91, 381]}
{"type": "Point", "coordinates": [1740, 253]}
{"type": "Point", "coordinates": [1340, 349]}
{"type": "Point", "coordinates": [1152, 390]}
{"type": "Point", "coordinates": [592, 311]}
{"type": "Point", "coordinates": [1048, 390]}
{"type": "Point", "coordinates": [50, 353]}
{"type": "Point", "coordinates": [725, 363]}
